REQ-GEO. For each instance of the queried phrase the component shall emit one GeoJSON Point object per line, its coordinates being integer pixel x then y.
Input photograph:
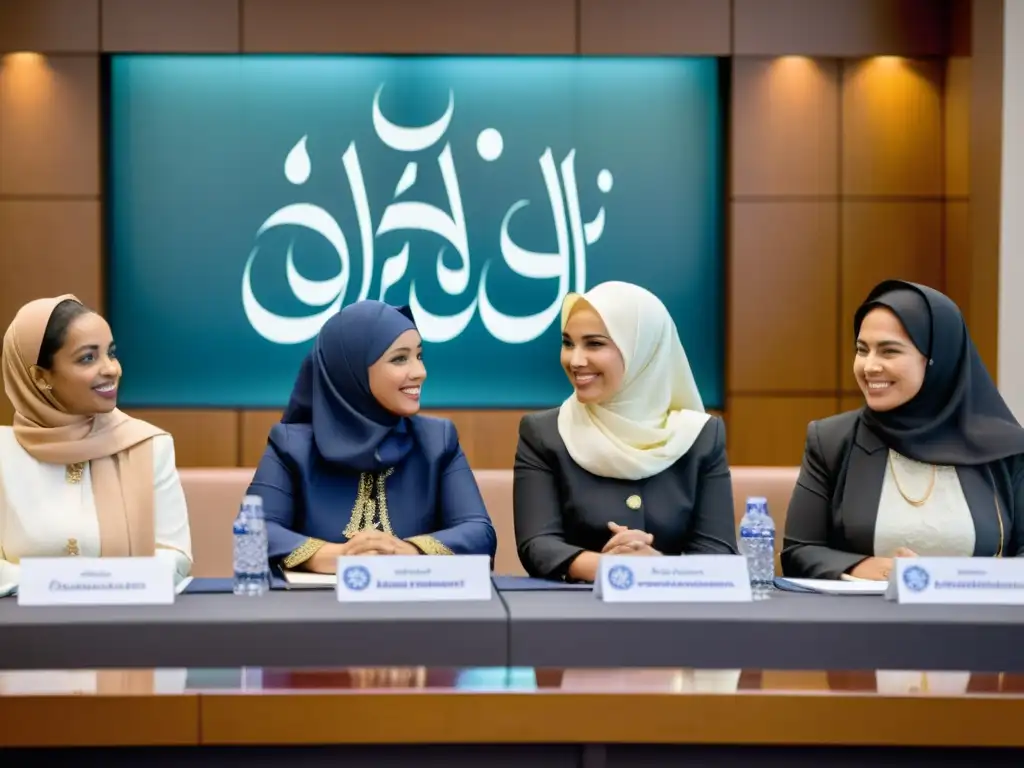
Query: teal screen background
{"type": "Point", "coordinates": [249, 197]}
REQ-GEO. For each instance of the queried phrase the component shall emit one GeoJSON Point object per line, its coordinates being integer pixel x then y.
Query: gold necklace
{"type": "Point", "coordinates": [913, 502]}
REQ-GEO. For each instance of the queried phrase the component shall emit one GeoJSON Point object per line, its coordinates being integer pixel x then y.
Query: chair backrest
{"type": "Point", "coordinates": [213, 496]}
{"type": "Point", "coordinates": [496, 488]}
{"type": "Point", "coordinates": [775, 484]}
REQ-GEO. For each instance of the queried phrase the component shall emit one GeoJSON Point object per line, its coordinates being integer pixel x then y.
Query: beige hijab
{"type": "Point", "coordinates": [657, 414]}
{"type": "Point", "coordinates": [118, 447]}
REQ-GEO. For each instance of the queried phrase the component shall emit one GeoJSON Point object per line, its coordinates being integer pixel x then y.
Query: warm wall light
{"type": "Point", "coordinates": [26, 58]}
{"type": "Point", "coordinates": [889, 61]}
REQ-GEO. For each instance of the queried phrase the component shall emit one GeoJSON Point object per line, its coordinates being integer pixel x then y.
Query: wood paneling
{"type": "Point", "coordinates": [409, 26]}
{"type": "Point", "coordinates": [49, 125]}
{"type": "Point", "coordinates": [892, 127]}
{"type": "Point", "coordinates": [49, 26]}
{"type": "Point", "coordinates": [785, 127]}
{"type": "Point", "coordinates": [986, 123]}
{"type": "Point", "coordinates": [49, 247]}
{"type": "Point", "coordinates": [850, 401]}
{"type": "Point", "coordinates": [841, 28]}
{"type": "Point", "coordinates": [957, 127]}
{"type": "Point", "coordinates": [655, 27]}
{"type": "Point", "coordinates": [770, 431]}
{"type": "Point", "coordinates": [253, 432]}
{"type": "Point", "coordinates": [958, 252]}
{"type": "Point", "coordinates": [784, 270]}
{"type": "Point", "coordinates": [901, 240]}
{"type": "Point", "coordinates": [201, 438]}
{"type": "Point", "coordinates": [488, 438]}
{"type": "Point", "coordinates": [171, 26]}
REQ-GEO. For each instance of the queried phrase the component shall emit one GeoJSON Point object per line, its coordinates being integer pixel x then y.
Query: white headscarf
{"type": "Point", "coordinates": [657, 414]}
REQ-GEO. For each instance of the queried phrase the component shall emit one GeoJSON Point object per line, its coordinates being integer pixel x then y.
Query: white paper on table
{"type": "Point", "coordinates": [832, 587]}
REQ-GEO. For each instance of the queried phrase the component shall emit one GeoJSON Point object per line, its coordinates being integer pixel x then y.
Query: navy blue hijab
{"type": "Point", "coordinates": [958, 417]}
{"type": "Point", "coordinates": [332, 391]}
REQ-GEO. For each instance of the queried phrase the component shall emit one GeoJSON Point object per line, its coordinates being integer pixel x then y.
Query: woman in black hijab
{"type": "Point", "coordinates": [932, 465]}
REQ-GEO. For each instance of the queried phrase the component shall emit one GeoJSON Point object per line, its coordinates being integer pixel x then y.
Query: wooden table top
{"type": "Point", "coordinates": [498, 705]}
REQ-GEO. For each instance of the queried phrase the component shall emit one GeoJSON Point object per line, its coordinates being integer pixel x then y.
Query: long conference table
{"type": "Point", "coordinates": [549, 676]}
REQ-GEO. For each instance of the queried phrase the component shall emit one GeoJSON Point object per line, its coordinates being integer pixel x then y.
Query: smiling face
{"type": "Point", "coordinates": [396, 378]}
{"type": "Point", "coordinates": [84, 374]}
{"type": "Point", "coordinates": [888, 367]}
{"type": "Point", "coordinates": [591, 360]}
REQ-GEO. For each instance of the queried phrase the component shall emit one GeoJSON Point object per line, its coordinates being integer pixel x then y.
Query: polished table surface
{"type": "Point", "coordinates": [552, 628]}
{"type": "Point", "coordinates": [789, 631]}
{"type": "Point", "coordinates": [297, 628]}
{"type": "Point", "coordinates": [483, 705]}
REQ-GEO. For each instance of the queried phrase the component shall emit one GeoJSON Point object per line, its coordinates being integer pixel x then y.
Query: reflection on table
{"type": "Point", "coordinates": [503, 679]}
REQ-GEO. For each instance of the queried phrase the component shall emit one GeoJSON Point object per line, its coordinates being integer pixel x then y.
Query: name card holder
{"type": "Point", "coordinates": [684, 579]}
{"type": "Point", "coordinates": [957, 581]}
{"type": "Point", "coordinates": [413, 578]}
{"type": "Point", "coordinates": [50, 581]}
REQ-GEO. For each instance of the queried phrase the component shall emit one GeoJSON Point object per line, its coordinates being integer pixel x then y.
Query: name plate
{"type": "Point", "coordinates": [957, 581]}
{"type": "Point", "coordinates": [96, 581]}
{"type": "Point", "coordinates": [411, 578]}
{"type": "Point", "coordinates": [685, 579]}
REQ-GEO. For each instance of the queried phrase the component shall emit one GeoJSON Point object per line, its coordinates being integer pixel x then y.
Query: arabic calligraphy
{"type": "Point", "coordinates": [565, 267]}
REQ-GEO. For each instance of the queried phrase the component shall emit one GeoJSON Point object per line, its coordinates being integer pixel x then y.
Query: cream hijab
{"type": "Point", "coordinates": [118, 447]}
{"type": "Point", "coordinates": [656, 416]}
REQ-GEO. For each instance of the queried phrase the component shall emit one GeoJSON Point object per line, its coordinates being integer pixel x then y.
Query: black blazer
{"type": "Point", "coordinates": [830, 525]}
{"type": "Point", "coordinates": [562, 509]}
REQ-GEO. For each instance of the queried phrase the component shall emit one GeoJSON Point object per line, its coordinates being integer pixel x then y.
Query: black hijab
{"type": "Point", "coordinates": [958, 417]}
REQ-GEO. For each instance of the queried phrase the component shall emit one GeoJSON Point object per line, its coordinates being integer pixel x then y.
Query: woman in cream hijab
{"type": "Point", "coordinates": [630, 463]}
{"type": "Point", "coordinates": [78, 476]}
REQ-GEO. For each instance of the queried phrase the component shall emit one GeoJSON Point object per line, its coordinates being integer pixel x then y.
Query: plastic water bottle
{"type": "Point", "coordinates": [757, 544]}
{"type": "Point", "coordinates": [252, 569]}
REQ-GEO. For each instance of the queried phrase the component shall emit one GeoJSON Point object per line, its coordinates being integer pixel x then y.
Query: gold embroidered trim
{"type": "Point", "coordinates": [428, 545]}
{"type": "Point", "coordinates": [73, 472]}
{"type": "Point", "coordinates": [371, 502]}
{"type": "Point", "coordinates": [303, 552]}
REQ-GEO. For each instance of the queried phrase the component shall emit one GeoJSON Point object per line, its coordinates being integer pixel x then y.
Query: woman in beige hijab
{"type": "Point", "coordinates": [78, 476]}
{"type": "Point", "coordinates": [630, 463]}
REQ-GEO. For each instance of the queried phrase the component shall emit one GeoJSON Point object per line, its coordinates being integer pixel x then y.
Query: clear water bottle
{"type": "Point", "coordinates": [251, 565]}
{"type": "Point", "coordinates": [757, 544]}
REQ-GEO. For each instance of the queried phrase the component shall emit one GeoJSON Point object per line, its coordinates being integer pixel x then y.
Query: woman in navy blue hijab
{"type": "Point", "coordinates": [352, 468]}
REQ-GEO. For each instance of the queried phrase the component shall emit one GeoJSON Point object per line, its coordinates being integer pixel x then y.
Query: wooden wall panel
{"type": "Point", "coordinates": [409, 26]}
{"type": "Point", "coordinates": [986, 123]}
{"type": "Point", "coordinates": [171, 26]}
{"type": "Point", "coordinates": [49, 125]}
{"type": "Point", "coordinates": [655, 27]}
{"type": "Point", "coordinates": [902, 240]}
{"type": "Point", "coordinates": [49, 26]}
{"type": "Point", "coordinates": [958, 252]}
{"type": "Point", "coordinates": [785, 127]}
{"type": "Point", "coordinates": [770, 431]}
{"type": "Point", "coordinates": [784, 267]}
{"type": "Point", "coordinates": [201, 438]}
{"type": "Point", "coordinates": [850, 401]}
{"type": "Point", "coordinates": [892, 127]}
{"type": "Point", "coordinates": [957, 127]}
{"type": "Point", "coordinates": [253, 430]}
{"type": "Point", "coordinates": [841, 28]}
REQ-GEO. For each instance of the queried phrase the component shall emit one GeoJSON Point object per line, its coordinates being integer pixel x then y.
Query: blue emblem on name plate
{"type": "Point", "coordinates": [620, 577]}
{"type": "Point", "coordinates": [916, 578]}
{"type": "Point", "coordinates": [356, 578]}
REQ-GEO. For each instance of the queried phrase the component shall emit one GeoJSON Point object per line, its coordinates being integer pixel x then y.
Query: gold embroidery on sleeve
{"type": "Point", "coordinates": [428, 545]}
{"type": "Point", "coordinates": [303, 552]}
{"type": "Point", "coordinates": [371, 508]}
